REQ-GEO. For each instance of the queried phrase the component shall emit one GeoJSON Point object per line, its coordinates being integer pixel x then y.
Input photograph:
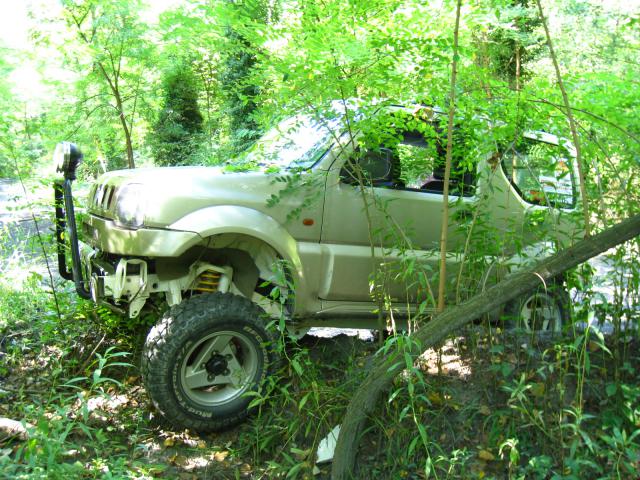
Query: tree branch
{"type": "Point", "coordinates": [635, 138]}
{"type": "Point", "coordinates": [572, 124]}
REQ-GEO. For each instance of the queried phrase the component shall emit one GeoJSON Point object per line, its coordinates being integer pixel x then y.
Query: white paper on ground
{"type": "Point", "coordinates": [327, 446]}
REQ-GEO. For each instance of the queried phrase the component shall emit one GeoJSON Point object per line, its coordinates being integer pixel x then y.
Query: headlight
{"type": "Point", "coordinates": [66, 159]}
{"type": "Point", "coordinates": [130, 205]}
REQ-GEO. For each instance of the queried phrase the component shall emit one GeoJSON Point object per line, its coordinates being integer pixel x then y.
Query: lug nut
{"type": "Point", "coordinates": [228, 356]}
{"type": "Point", "coordinates": [210, 377]}
{"type": "Point", "coordinates": [226, 372]}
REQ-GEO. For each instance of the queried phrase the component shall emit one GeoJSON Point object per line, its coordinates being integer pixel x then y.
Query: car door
{"type": "Point", "coordinates": [398, 211]}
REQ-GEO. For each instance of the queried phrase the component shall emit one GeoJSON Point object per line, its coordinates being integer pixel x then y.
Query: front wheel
{"type": "Point", "coordinates": [545, 309]}
{"type": "Point", "coordinates": [202, 358]}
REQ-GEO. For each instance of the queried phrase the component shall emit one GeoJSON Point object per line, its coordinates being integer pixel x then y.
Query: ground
{"type": "Point", "coordinates": [468, 408]}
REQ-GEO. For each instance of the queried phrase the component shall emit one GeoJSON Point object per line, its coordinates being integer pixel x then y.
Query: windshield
{"type": "Point", "coordinates": [542, 172]}
{"type": "Point", "coordinates": [298, 142]}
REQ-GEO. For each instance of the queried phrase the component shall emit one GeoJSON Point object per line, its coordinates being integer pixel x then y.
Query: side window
{"type": "Point", "coordinates": [413, 163]}
{"type": "Point", "coordinates": [374, 166]}
{"type": "Point", "coordinates": [541, 172]}
{"type": "Point", "coordinates": [425, 166]}
{"type": "Point", "coordinates": [417, 159]}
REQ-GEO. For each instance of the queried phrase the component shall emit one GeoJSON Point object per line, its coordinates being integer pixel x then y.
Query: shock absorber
{"type": "Point", "coordinates": [207, 281]}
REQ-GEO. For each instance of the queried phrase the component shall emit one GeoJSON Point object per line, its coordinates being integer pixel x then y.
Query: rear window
{"type": "Point", "coordinates": [541, 172]}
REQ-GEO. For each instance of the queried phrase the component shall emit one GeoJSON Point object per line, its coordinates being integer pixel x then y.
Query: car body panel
{"type": "Point", "coordinates": [105, 235]}
{"type": "Point", "coordinates": [316, 221]}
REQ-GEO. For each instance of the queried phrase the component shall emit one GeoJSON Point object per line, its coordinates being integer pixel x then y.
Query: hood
{"type": "Point", "coordinates": [166, 194]}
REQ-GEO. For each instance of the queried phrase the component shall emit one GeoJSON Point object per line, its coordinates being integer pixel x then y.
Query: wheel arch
{"type": "Point", "coordinates": [245, 239]}
{"type": "Point", "coordinates": [246, 254]}
{"type": "Point", "coordinates": [214, 221]}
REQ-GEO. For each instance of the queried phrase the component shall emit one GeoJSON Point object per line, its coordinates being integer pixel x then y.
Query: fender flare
{"type": "Point", "coordinates": [220, 219]}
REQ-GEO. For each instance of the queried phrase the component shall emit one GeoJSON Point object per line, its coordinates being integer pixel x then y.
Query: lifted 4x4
{"type": "Point", "coordinates": [212, 243]}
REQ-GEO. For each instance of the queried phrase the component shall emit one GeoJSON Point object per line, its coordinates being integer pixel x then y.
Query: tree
{"type": "Point", "coordinates": [114, 40]}
{"type": "Point", "coordinates": [512, 46]}
{"type": "Point", "coordinates": [240, 89]}
{"type": "Point", "coordinates": [572, 123]}
{"type": "Point", "coordinates": [195, 31]}
{"type": "Point", "coordinates": [229, 74]}
{"type": "Point", "coordinates": [178, 130]}
{"type": "Point", "coordinates": [447, 174]}
{"type": "Point", "coordinates": [6, 115]}
{"type": "Point", "coordinates": [21, 139]}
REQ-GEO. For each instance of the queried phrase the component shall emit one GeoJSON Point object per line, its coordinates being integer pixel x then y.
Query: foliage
{"type": "Point", "coordinates": [515, 41]}
{"type": "Point", "coordinates": [21, 142]}
{"type": "Point", "coordinates": [236, 78]}
{"type": "Point", "coordinates": [115, 65]}
{"type": "Point", "coordinates": [513, 407]}
{"type": "Point", "coordinates": [177, 132]}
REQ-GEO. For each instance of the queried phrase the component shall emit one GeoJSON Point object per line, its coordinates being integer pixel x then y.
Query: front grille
{"type": "Point", "coordinates": [103, 197]}
{"type": "Point", "coordinates": [108, 197]}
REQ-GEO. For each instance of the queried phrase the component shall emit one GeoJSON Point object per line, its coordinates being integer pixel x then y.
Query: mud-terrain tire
{"type": "Point", "coordinates": [203, 356]}
{"type": "Point", "coordinates": [541, 310]}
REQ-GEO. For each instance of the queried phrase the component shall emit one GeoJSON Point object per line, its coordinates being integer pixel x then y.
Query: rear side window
{"type": "Point", "coordinates": [541, 172]}
{"type": "Point", "coordinates": [411, 161]}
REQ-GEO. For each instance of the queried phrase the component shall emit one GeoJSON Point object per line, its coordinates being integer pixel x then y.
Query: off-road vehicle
{"type": "Point", "coordinates": [211, 243]}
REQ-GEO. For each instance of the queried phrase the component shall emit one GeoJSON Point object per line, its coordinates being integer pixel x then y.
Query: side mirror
{"type": "Point", "coordinates": [66, 158]}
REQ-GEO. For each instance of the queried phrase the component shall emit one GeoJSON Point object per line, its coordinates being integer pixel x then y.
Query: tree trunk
{"type": "Point", "coordinates": [113, 86]}
{"type": "Point", "coordinates": [127, 135]}
{"type": "Point", "coordinates": [389, 366]}
{"type": "Point", "coordinates": [115, 91]}
{"type": "Point", "coordinates": [517, 67]}
{"type": "Point", "coordinates": [447, 166]}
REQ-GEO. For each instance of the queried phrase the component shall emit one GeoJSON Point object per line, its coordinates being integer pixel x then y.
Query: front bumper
{"type": "Point", "coordinates": [115, 267]}
{"type": "Point", "coordinates": [125, 284]}
{"type": "Point", "coordinates": [105, 235]}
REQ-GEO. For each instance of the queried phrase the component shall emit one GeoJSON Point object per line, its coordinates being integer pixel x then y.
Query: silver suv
{"type": "Point", "coordinates": [314, 209]}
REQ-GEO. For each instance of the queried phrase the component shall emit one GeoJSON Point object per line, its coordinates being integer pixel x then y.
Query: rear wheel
{"type": "Point", "coordinates": [541, 310]}
{"type": "Point", "coordinates": [203, 357]}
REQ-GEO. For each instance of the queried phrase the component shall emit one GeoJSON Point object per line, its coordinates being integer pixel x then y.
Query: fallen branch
{"type": "Point", "coordinates": [387, 367]}
{"type": "Point", "coordinates": [85, 364]}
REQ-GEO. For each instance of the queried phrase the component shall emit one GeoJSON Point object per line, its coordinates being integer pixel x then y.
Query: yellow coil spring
{"type": "Point", "coordinates": [207, 281]}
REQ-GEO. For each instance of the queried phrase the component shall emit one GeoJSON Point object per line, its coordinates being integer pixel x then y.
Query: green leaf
{"type": "Point", "coordinates": [303, 401]}
{"type": "Point", "coordinates": [296, 366]}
